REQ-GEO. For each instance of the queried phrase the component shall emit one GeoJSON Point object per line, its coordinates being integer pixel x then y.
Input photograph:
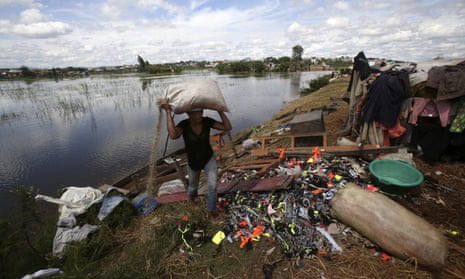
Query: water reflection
{"type": "Point", "coordinates": [145, 83]}
{"type": "Point", "coordinates": [295, 82]}
{"type": "Point", "coordinates": [86, 132]}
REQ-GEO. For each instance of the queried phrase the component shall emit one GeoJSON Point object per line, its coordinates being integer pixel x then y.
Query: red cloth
{"type": "Point", "coordinates": [394, 132]}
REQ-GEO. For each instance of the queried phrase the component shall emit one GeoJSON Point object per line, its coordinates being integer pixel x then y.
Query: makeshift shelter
{"type": "Point", "coordinates": [420, 105]}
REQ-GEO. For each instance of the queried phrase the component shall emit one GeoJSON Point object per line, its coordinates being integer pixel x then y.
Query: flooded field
{"type": "Point", "coordinates": [86, 132]}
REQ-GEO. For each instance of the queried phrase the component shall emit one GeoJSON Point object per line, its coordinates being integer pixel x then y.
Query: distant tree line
{"type": "Point", "coordinates": [269, 64]}
{"type": "Point", "coordinates": [292, 63]}
{"type": "Point", "coordinates": [54, 73]}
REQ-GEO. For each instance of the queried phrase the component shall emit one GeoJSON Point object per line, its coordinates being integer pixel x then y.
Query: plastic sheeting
{"type": "Point", "coordinates": [110, 202]}
{"type": "Point", "coordinates": [43, 273]}
{"type": "Point", "coordinates": [65, 236]}
{"type": "Point", "coordinates": [75, 200]}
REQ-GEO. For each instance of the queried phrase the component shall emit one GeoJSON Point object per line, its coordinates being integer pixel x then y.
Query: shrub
{"type": "Point", "coordinates": [316, 84]}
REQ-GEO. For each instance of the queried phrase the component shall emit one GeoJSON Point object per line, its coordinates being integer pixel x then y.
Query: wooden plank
{"type": "Point", "coordinates": [181, 174]}
{"type": "Point", "coordinates": [341, 150]}
{"type": "Point", "coordinates": [264, 169]}
{"type": "Point", "coordinates": [271, 184]}
{"type": "Point", "coordinates": [292, 137]}
{"type": "Point", "coordinates": [248, 167]}
{"type": "Point", "coordinates": [336, 150]}
{"type": "Point", "coordinates": [258, 185]}
{"type": "Point", "coordinates": [244, 186]}
{"type": "Point", "coordinates": [259, 152]}
{"type": "Point", "coordinates": [262, 166]}
{"type": "Point", "coordinates": [126, 181]}
{"type": "Point", "coordinates": [283, 136]}
{"type": "Point", "coordinates": [168, 177]}
{"type": "Point", "coordinates": [177, 197]}
{"type": "Point", "coordinates": [104, 188]}
{"type": "Point", "coordinates": [225, 186]}
{"type": "Point", "coordinates": [260, 161]}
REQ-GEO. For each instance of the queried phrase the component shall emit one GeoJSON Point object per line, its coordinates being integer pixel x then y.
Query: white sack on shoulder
{"type": "Point", "coordinates": [195, 93]}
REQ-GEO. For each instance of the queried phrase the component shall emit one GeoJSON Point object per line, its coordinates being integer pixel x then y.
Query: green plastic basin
{"type": "Point", "coordinates": [395, 176]}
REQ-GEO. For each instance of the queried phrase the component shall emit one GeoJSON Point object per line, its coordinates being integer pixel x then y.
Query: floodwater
{"type": "Point", "coordinates": [97, 130]}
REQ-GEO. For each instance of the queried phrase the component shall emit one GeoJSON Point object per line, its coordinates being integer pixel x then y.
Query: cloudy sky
{"type": "Point", "coordinates": [62, 33]}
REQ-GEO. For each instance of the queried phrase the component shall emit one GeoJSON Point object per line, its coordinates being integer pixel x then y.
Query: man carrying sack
{"type": "Point", "coordinates": [195, 131]}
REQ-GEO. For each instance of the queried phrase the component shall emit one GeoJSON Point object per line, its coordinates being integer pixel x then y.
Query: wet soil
{"type": "Point", "coordinates": [440, 199]}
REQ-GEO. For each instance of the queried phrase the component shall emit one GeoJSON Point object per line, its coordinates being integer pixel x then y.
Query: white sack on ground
{"type": "Point", "coordinates": [171, 187]}
{"type": "Point", "coordinates": [43, 273]}
{"type": "Point", "coordinates": [390, 225]}
{"type": "Point", "coordinates": [65, 236]}
{"type": "Point", "coordinates": [75, 200]}
{"type": "Point", "coordinates": [195, 93]}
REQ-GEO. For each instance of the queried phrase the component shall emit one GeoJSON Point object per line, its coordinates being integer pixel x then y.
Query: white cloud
{"type": "Point", "coordinates": [442, 26]}
{"type": "Point", "coordinates": [338, 22]}
{"type": "Point", "coordinates": [342, 5]}
{"type": "Point", "coordinates": [195, 4]}
{"type": "Point", "coordinates": [32, 22]}
{"type": "Point", "coordinates": [120, 9]}
{"type": "Point", "coordinates": [111, 11]}
{"type": "Point", "coordinates": [5, 26]}
{"type": "Point", "coordinates": [32, 16]}
{"type": "Point", "coordinates": [165, 5]}
{"type": "Point", "coordinates": [42, 29]}
{"type": "Point", "coordinates": [24, 3]}
{"type": "Point", "coordinates": [295, 27]}
{"type": "Point", "coordinates": [169, 31]}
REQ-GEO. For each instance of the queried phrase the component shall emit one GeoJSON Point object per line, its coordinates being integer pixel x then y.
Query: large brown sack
{"type": "Point", "coordinates": [193, 94]}
{"type": "Point", "coordinates": [391, 226]}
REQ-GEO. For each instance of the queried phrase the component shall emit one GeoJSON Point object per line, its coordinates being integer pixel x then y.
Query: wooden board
{"type": "Point", "coordinates": [292, 137]}
{"type": "Point", "coordinates": [343, 150]}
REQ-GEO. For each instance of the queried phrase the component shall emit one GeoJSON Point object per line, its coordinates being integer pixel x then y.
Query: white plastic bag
{"type": "Point", "coordinates": [195, 93]}
{"type": "Point", "coordinates": [171, 187]}
{"type": "Point", "coordinates": [75, 200]}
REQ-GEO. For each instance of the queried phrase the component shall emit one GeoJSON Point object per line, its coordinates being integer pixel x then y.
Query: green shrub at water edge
{"type": "Point", "coordinates": [316, 84]}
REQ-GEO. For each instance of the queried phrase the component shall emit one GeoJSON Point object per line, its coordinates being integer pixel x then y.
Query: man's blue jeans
{"type": "Point", "coordinates": [211, 173]}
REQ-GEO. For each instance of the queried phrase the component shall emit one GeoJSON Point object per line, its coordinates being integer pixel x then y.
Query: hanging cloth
{"type": "Point", "coordinates": [458, 124]}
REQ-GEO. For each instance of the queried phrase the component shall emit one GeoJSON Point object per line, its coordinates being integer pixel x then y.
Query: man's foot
{"type": "Point", "coordinates": [192, 199]}
{"type": "Point", "coordinates": [213, 217]}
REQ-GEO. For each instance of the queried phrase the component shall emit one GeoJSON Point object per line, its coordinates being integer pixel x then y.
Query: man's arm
{"type": "Point", "coordinates": [173, 131]}
{"type": "Point", "coordinates": [225, 124]}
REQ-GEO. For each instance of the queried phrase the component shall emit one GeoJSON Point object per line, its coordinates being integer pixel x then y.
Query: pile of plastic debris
{"type": "Point", "coordinates": [298, 217]}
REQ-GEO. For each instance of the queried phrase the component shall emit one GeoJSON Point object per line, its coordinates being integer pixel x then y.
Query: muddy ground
{"type": "Point", "coordinates": [440, 200]}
